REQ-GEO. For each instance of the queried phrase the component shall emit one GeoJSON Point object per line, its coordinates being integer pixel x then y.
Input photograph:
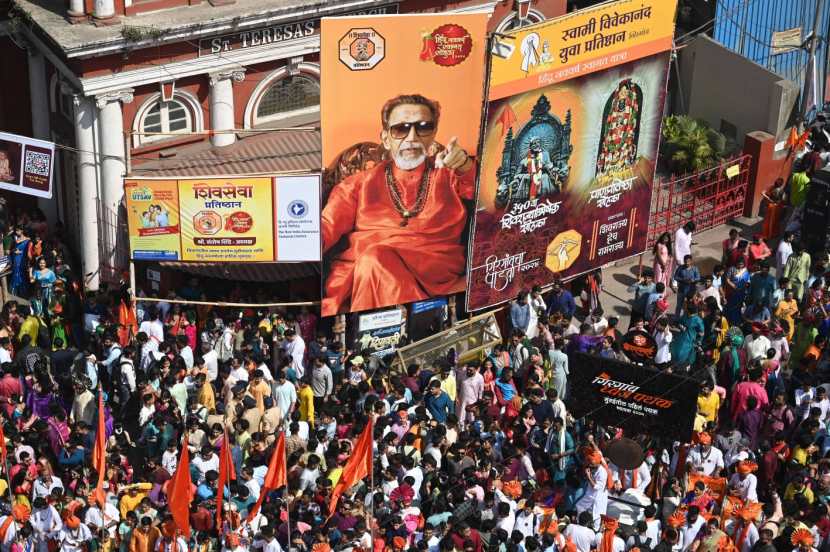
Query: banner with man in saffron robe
{"type": "Point", "coordinates": [401, 102]}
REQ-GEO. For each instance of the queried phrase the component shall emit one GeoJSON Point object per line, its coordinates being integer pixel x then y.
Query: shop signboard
{"type": "Point", "coordinates": [26, 165]}
{"type": "Point", "coordinates": [224, 219]}
{"type": "Point", "coordinates": [401, 103]}
{"type": "Point", "coordinates": [379, 332]}
{"type": "Point", "coordinates": [569, 147]}
{"type": "Point", "coordinates": [638, 399]}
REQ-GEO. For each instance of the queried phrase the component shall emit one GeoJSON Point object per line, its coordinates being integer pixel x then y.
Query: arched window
{"type": "Point", "coordinates": [290, 96]}
{"type": "Point", "coordinates": [512, 22]}
{"type": "Point", "coordinates": [180, 115]}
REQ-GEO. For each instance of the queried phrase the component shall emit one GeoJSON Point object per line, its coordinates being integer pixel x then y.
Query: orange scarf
{"type": "Point", "coordinates": [607, 544]}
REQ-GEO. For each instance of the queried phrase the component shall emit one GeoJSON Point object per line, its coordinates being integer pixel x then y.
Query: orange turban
{"type": "Point", "coordinates": [802, 537]}
{"type": "Point", "coordinates": [21, 512]}
{"type": "Point", "coordinates": [72, 521]}
{"type": "Point", "coordinates": [677, 519]}
{"type": "Point", "coordinates": [748, 512]}
{"type": "Point", "coordinates": [513, 489]}
{"type": "Point", "coordinates": [746, 466]}
{"type": "Point", "coordinates": [399, 543]}
{"type": "Point", "coordinates": [321, 547]}
{"type": "Point", "coordinates": [232, 540]}
{"type": "Point", "coordinates": [593, 456]}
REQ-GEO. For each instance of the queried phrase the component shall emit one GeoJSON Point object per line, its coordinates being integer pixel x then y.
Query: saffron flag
{"type": "Point", "coordinates": [99, 452]}
{"type": "Point", "coordinates": [792, 139]}
{"type": "Point", "coordinates": [507, 119]}
{"type": "Point", "coordinates": [3, 452]}
{"type": "Point", "coordinates": [180, 493]}
{"type": "Point", "coordinates": [227, 472]}
{"type": "Point", "coordinates": [275, 477]}
{"type": "Point", "coordinates": [358, 466]}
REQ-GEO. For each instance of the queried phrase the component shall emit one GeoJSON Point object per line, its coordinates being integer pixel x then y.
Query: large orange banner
{"type": "Point", "coordinates": [401, 102]}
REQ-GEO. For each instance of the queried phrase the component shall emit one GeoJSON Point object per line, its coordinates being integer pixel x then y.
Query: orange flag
{"type": "Point", "coordinates": [507, 119]}
{"type": "Point", "coordinates": [358, 466]}
{"type": "Point", "coordinates": [180, 493]}
{"type": "Point", "coordinates": [275, 477]}
{"type": "Point", "coordinates": [99, 452]}
{"type": "Point", "coordinates": [226, 473]}
{"type": "Point", "coordinates": [792, 139]}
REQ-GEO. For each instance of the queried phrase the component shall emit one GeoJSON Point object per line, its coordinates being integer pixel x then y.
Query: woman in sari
{"type": "Point", "coordinates": [785, 312]}
{"type": "Point", "coordinates": [685, 345]}
{"type": "Point", "coordinates": [507, 396]}
{"type": "Point", "coordinates": [20, 251]}
{"type": "Point", "coordinates": [663, 262]}
{"type": "Point", "coordinates": [44, 281]}
{"type": "Point", "coordinates": [737, 281]}
{"type": "Point", "coordinates": [775, 210]}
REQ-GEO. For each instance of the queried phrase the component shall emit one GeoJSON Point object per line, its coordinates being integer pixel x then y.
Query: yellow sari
{"type": "Point", "coordinates": [785, 312]}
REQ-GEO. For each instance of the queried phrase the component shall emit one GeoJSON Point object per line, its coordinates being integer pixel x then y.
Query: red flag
{"type": "Point", "coordinates": [358, 466]}
{"type": "Point", "coordinates": [226, 473]}
{"type": "Point", "coordinates": [180, 492]}
{"type": "Point", "coordinates": [275, 477]}
{"type": "Point", "coordinates": [3, 452]}
{"type": "Point", "coordinates": [99, 452]}
{"type": "Point", "coordinates": [507, 119]}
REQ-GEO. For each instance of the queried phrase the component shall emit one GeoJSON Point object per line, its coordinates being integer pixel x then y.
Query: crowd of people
{"type": "Point", "coordinates": [481, 455]}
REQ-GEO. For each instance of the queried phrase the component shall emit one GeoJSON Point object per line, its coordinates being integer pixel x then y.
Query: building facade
{"type": "Point", "coordinates": [123, 83]}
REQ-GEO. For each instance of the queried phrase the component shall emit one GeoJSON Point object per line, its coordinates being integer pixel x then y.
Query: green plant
{"type": "Point", "coordinates": [135, 33]}
{"type": "Point", "coordinates": [690, 144]}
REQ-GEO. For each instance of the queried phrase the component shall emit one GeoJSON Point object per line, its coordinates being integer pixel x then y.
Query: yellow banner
{"type": "Point", "coordinates": [580, 43]}
{"type": "Point", "coordinates": [227, 219]}
{"type": "Point", "coordinates": [153, 219]}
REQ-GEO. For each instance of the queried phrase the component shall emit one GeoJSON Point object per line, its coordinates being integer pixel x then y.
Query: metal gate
{"type": "Point", "coordinates": [708, 198]}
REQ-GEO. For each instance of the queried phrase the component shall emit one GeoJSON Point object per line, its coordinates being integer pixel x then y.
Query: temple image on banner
{"type": "Point", "coordinates": [535, 159]}
{"type": "Point", "coordinates": [620, 129]}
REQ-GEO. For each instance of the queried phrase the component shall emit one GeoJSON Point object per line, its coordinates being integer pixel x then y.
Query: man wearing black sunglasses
{"type": "Point", "coordinates": [402, 218]}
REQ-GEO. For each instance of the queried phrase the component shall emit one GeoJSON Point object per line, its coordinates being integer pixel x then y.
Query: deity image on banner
{"type": "Point", "coordinates": [535, 159]}
{"type": "Point", "coordinates": [620, 129]}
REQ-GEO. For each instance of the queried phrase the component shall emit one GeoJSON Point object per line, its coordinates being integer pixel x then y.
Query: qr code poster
{"type": "Point", "coordinates": [26, 165]}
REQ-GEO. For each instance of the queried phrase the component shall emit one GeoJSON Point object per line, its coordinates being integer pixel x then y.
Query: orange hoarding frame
{"type": "Point", "coordinates": [546, 53]}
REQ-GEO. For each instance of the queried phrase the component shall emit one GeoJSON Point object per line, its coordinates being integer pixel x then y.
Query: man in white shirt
{"type": "Point", "coordinates": [690, 529]}
{"type": "Point", "coordinates": [744, 481]}
{"type": "Point", "coordinates": [708, 289]}
{"type": "Point", "coordinates": [211, 359]}
{"type": "Point", "coordinates": [705, 458]}
{"type": "Point", "coordinates": [757, 344]}
{"type": "Point", "coordinates": [109, 520]}
{"type": "Point", "coordinates": [153, 327]}
{"type": "Point", "coordinates": [205, 462]}
{"type": "Point", "coordinates": [683, 242]}
{"type": "Point", "coordinates": [783, 252]}
{"type": "Point", "coordinates": [185, 351]}
{"type": "Point", "coordinates": [295, 348]}
{"type": "Point", "coordinates": [46, 523]}
{"type": "Point", "coordinates": [5, 350]}
{"type": "Point", "coordinates": [663, 338]}
{"type": "Point", "coordinates": [581, 534]}
{"type": "Point", "coordinates": [45, 484]}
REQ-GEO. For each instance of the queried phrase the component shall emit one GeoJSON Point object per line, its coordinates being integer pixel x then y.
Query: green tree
{"type": "Point", "coordinates": [690, 145]}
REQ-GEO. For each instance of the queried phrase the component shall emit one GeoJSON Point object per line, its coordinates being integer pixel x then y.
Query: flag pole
{"type": "Point", "coordinates": [372, 485]}
{"type": "Point", "coordinates": [287, 496]}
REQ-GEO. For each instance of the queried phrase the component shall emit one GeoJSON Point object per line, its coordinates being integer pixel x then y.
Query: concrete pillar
{"type": "Point", "coordinates": [76, 9]}
{"type": "Point", "coordinates": [87, 183]}
{"type": "Point", "coordinates": [113, 166]}
{"type": "Point", "coordinates": [113, 163]}
{"type": "Point", "coordinates": [221, 105]}
{"type": "Point", "coordinates": [41, 129]}
{"type": "Point", "coordinates": [104, 9]}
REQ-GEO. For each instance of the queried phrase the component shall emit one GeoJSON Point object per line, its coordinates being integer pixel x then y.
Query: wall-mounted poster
{"type": "Point", "coordinates": [26, 165]}
{"type": "Point", "coordinates": [401, 101]}
{"type": "Point", "coordinates": [570, 146]}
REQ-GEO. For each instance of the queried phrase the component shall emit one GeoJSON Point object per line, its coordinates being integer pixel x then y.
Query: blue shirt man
{"type": "Point", "coordinates": [438, 403]}
{"type": "Point", "coordinates": [520, 312]}
{"type": "Point", "coordinates": [561, 301]}
{"type": "Point", "coordinates": [762, 286]}
{"type": "Point", "coordinates": [687, 277]}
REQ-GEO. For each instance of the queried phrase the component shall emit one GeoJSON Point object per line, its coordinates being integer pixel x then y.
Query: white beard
{"type": "Point", "coordinates": [408, 164]}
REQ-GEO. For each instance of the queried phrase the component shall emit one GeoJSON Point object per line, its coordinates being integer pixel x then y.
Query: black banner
{"type": "Point", "coordinates": [640, 400]}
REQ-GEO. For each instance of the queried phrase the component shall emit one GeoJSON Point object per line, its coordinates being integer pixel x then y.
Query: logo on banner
{"type": "Point", "coordinates": [297, 209]}
{"type": "Point", "coordinates": [563, 251]}
{"type": "Point", "coordinates": [362, 49]}
{"type": "Point", "coordinates": [447, 45]}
